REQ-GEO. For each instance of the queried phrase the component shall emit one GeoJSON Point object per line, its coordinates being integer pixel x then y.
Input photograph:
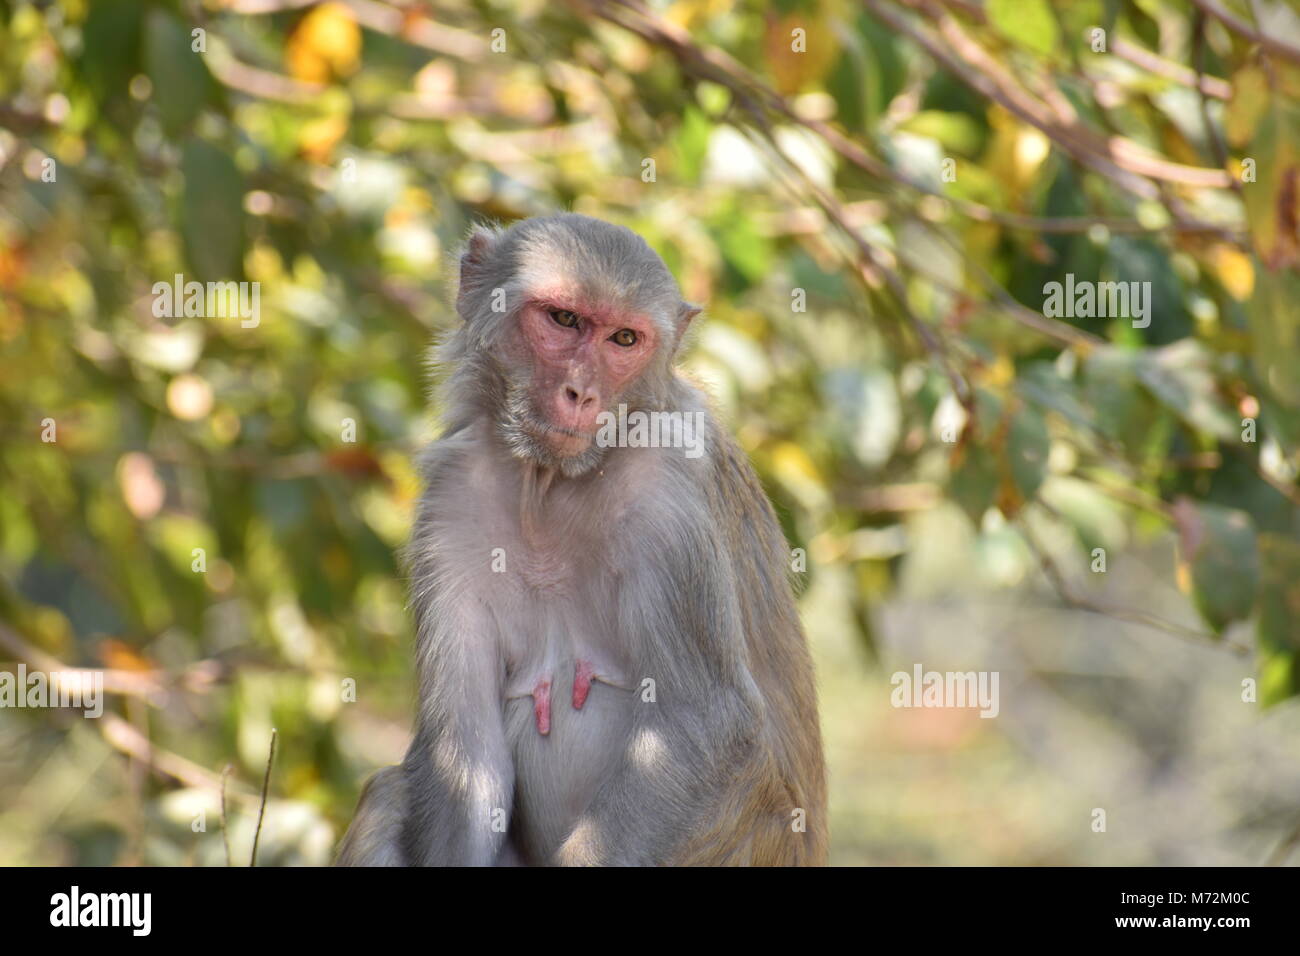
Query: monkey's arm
{"type": "Point", "coordinates": [449, 802]}
{"type": "Point", "coordinates": [458, 775]}
{"type": "Point", "coordinates": [695, 760]}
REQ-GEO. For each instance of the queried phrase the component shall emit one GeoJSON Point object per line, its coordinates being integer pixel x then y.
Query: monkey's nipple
{"type": "Point", "coordinates": [583, 672]}
{"type": "Point", "coordinates": [542, 705]}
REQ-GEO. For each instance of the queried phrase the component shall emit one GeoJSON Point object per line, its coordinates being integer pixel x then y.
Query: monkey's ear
{"type": "Point", "coordinates": [685, 312]}
{"type": "Point", "coordinates": [472, 264]}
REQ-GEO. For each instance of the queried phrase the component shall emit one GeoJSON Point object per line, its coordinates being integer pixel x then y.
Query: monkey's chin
{"type": "Point", "coordinates": [569, 454]}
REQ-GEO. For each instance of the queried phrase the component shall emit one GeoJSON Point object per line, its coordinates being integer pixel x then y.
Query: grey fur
{"type": "Point", "coordinates": [645, 562]}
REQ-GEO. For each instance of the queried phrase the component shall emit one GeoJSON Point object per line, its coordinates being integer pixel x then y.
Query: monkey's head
{"type": "Point", "coordinates": [566, 317]}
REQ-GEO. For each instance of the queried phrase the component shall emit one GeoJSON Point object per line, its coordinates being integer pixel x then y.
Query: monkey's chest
{"type": "Point", "coordinates": [567, 716]}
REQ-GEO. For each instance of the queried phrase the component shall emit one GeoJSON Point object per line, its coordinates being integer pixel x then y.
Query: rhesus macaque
{"type": "Point", "coordinates": [611, 667]}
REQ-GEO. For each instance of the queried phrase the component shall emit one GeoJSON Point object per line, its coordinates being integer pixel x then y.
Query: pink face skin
{"type": "Point", "coordinates": [579, 371]}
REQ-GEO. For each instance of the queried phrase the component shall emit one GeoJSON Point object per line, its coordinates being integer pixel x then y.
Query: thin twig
{"type": "Point", "coordinates": [716, 66]}
{"type": "Point", "coordinates": [1270, 44]}
{"type": "Point", "coordinates": [122, 736]}
{"type": "Point", "coordinates": [143, 684]}
{"type": "Point", "coordinates": [1137, 55]}
{"type": "Point", "coordinates": [1217, 148]}
{"type": "Point", "coordinates": [225, 830]}
{"type": "Point", "coordinates": [1212, 86]}
{"type": "Point", "coordinates": [1067, 335]}
{"type": "Point", "coordinates": [1131, 496]}
{"type": "Point", "coordinates": [869, 257]}
{"type": "Point", "coordinates": [1071, 598]}
{"type": "Point", "coordinates": [402, 23]}
{"type": "Point", "coordinates": [1122, 160]}
{"type": "Point", "coordinates": [266, 786]}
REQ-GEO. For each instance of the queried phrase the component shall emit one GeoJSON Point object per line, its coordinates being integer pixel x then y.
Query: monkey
{"type": "Point", "coordinates": [611, 668]}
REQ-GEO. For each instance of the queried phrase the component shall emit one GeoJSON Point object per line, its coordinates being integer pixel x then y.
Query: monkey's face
{"type": "Point", "coordinates": [583, 355]}
{"type": "Point", "coordinates": [574, 316]}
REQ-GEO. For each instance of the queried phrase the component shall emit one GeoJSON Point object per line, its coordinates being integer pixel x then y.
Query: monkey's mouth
{"type": "Point", "coordinates": [560, 440]}
{"type": "Point", "coordinates": [570, 432]}
{"type": "Point", "coordinates": [565, 442]}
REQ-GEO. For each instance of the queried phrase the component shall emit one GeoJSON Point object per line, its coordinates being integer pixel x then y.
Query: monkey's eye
{"type": "Point", "coordinates": [623, 337]}
{"type": "Point", "coordinates": [564, 317]}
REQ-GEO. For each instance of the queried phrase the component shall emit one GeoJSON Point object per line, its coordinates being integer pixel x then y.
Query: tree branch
{"type": "Point", "coordinates": [1236, 25]}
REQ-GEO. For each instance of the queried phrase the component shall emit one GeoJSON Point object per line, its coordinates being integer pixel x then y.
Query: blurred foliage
{"type": "Point", "coordinates": [870, 197]}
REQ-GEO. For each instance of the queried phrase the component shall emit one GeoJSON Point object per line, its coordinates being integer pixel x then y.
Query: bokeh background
{"type": "Point", "coordinates": [868, 196]}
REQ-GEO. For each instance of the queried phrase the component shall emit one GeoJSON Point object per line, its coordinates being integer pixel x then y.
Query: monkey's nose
{"type": "Point", "coordinates": [583, 400]}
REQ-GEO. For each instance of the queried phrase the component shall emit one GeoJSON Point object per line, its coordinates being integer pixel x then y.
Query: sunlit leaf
{"type": "Point", "coordinates": [1029, 23]}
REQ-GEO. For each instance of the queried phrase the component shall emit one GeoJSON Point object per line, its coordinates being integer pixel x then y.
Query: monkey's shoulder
{"type": "Point", "coordinates": [453, 452]}
{"type": "Point", "coordinates": [730, 483]}
{"type": "Point", "coordinates": [707, 503]}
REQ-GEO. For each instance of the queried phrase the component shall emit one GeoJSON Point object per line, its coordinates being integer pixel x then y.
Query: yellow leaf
{"type": "Point", "coordinates": [794, 469]}
{"type": "Point", "coordinates": [325, 44]}
{"type": "Point", "coordinates": [317, 139]}
{"type": "Point", "coordinates": [121, 656]}
{"type": "Point", "coordinates": [1234, 269]}
{"type": "Point", "coordinates": [686, 13]}
{"type": "Point", "coordinates": [1000, 372]}
{"type": "Point", "coordinates": [1016, 153]}
{"type": "Point", "coordinates": [1249, 100]}
{"type": "Point", "coordinates": [1273, 202]}
{"type": "Point", "coordinates": [800, 49]}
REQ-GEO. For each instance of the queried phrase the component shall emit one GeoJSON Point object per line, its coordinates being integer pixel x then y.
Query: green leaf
{"type": "Point", "coordinates": [978, 462]}
{"type": "Point", "coordinates": [1027, 449]}
{"type": "Point", "coordinates": [1279, 677]}
{"type": "Point", "coordinates": [1275, 332]}
{"type": "Point", "coordinates": [1078, 17]}
{"type": "Point", "coordinates": [1278, 629]}
{"type": "Point", "coordinates": [974, 482]}
{"type": "Point", "coordinates": [1124, 410]}
{"type": "Point", "coordinates": [212, 212]}
{"type": "Point", "coordinates": [177, 535]}
{"type": "Point", "coordinates": [1181, 377]}
{"type": "Point", "coordinates": [956, 132]}
{"type": "Point", "coordinates": [851, 82]}
{"type": "Point", "coordinates": [1040, 383]}
{"type": "Point", "coordinates": [1095, 517]}
{"type": "Point", "coordinates": [181, 84]}
{"type": "Point", "coordinates": [1027, 23]}
{"type": "Point", "coordinates": [1220, 547]}
{"type": "Point", "coordinates": [868, 74]}
{"type": "Point", "coordinates": [1145, 262]}
{"type": "Point", "coordinates": [746, 250]}
{"type": "Point", "coordinates": [111, 58]}
{"type": "Point", "coordinates": [693, 142]}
